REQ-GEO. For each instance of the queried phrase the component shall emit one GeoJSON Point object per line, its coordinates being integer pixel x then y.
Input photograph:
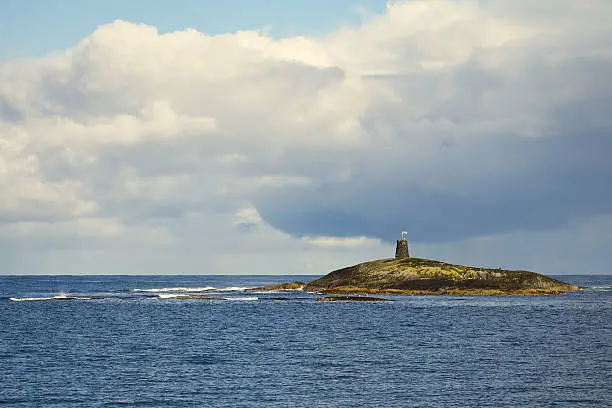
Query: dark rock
{"type": "Point", "coordinates": [351, 299]}
{"type": "Point", "coordinates": [281, 286]}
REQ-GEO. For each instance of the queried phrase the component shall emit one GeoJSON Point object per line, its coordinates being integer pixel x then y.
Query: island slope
{"type": "Point", "coordinates": [426, 276]}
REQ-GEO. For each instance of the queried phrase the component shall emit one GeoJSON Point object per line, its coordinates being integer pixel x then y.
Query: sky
{"type": "Point", "coordinates": [34, 28]}
{"type": "Point", "coordinates": [240, 137]}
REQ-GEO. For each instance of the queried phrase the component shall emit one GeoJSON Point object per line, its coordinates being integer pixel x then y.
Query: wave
{"type": "Point", "coordinates": [604, 288]}
{"type": "Point", "coordinates": [186, 296]}
{"type": "Point", "coordinates": [178, 289]}
{"type": "Point", "coordinates": [160, 296]}
{"type": "Point", "coordinates": [195, 290]}
{"type": "Point", "coordinates": [234, 289]}
{"type": "Point", "coordinates": [171, 296]}
{"type": "Point", "coordinates": [181, 296]}
{"type": "Point", "coordinates": [30, 299]}
{"type": "Point", "coordinates": [58, 297]}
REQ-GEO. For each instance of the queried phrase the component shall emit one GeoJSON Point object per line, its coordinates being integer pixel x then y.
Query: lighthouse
{"type": "Point", "coordinates": [401, 249]}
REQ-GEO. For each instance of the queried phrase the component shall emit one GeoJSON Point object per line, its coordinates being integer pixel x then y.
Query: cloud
{"type": "Point", "coordinates": [247, 219]}
{"type": "Point", "coordinates": [452, 120]}
{"type": "Point", "coordinates": [343, 242]}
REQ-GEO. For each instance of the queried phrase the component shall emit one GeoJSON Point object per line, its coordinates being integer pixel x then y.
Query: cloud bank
{"type": "Point", "coordinates": [462, 122]}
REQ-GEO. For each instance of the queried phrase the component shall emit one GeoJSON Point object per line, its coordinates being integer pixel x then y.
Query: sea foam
{"type": "Point", "coordinates": [178, 289]}
{"type": "Point", "coordinates": [58, 297]}
{"type": "Point", "coordinates": [181, 296]}
{"type": "Point", "coordinates": [234, 289]}
{"type": "Point", "coordinates": [196, 289]}
{"type": "Point", "coordinates": [603, 288]}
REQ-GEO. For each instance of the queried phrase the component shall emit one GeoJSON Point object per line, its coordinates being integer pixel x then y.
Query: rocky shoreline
{"type": "Point", "coordinates": [452, 292]}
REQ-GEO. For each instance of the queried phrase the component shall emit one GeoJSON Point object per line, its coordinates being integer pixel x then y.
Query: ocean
{"type": "Point", "coordinates": [122, 341]}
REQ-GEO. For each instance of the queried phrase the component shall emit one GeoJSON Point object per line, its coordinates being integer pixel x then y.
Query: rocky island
{"type": "Point", "coordinates": [426, 276]}
{"type": "Point", "coordinates": [406, 275]}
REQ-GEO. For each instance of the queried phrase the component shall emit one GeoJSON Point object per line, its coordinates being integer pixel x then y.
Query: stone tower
{"type": "Point", "coordinates": [401, 249]}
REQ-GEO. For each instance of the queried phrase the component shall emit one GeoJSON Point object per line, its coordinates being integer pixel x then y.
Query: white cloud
{"type": "Point", "coordinates": [342, 242]}
{"type": "Point", "coordinates": [247, 217]}
{"type": "Point", "coordinates": [454, 120]}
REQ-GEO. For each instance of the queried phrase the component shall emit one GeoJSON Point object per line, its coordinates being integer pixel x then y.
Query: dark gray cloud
{"type": "Point", "coordinates": [529, 149]}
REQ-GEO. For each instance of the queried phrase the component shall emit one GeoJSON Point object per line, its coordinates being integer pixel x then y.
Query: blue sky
{"type": "Point", "coordinates": [32, 28]}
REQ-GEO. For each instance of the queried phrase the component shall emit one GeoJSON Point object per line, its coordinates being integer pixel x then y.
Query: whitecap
{"type": "Point", "coordinates": [58, 297]}
{"type": "Point", "coordinates": [170, 296]}
{"type": "Point", "coordinates": [177, 289]}
{"type": "Point", "coordinates": [600, 287]}
{"type": "Point", "coordinates": [29, 299]}
{"type": "Point", "coordinates": [234, 289]}
{"type": "Point", "coordinates": [181, 296]}
{"type": "Point", "coordinates": [195, 290]}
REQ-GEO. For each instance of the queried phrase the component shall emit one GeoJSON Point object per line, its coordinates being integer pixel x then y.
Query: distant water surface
{"type": "Point", "coordinates": [116, 341]}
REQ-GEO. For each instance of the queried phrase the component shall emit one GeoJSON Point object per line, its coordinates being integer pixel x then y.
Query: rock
{"type": "Point", "coordinates": [185, 296]}
{"type": "Point", "coordinates": [282, 286]}
{"type": "Point", "coordinates": [426, 276]}
{"type": "Point", "coordinates": [351, 299]}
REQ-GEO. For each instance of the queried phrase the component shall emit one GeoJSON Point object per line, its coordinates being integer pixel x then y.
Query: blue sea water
{"type": "Point", "coordinates": [128, 341]}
